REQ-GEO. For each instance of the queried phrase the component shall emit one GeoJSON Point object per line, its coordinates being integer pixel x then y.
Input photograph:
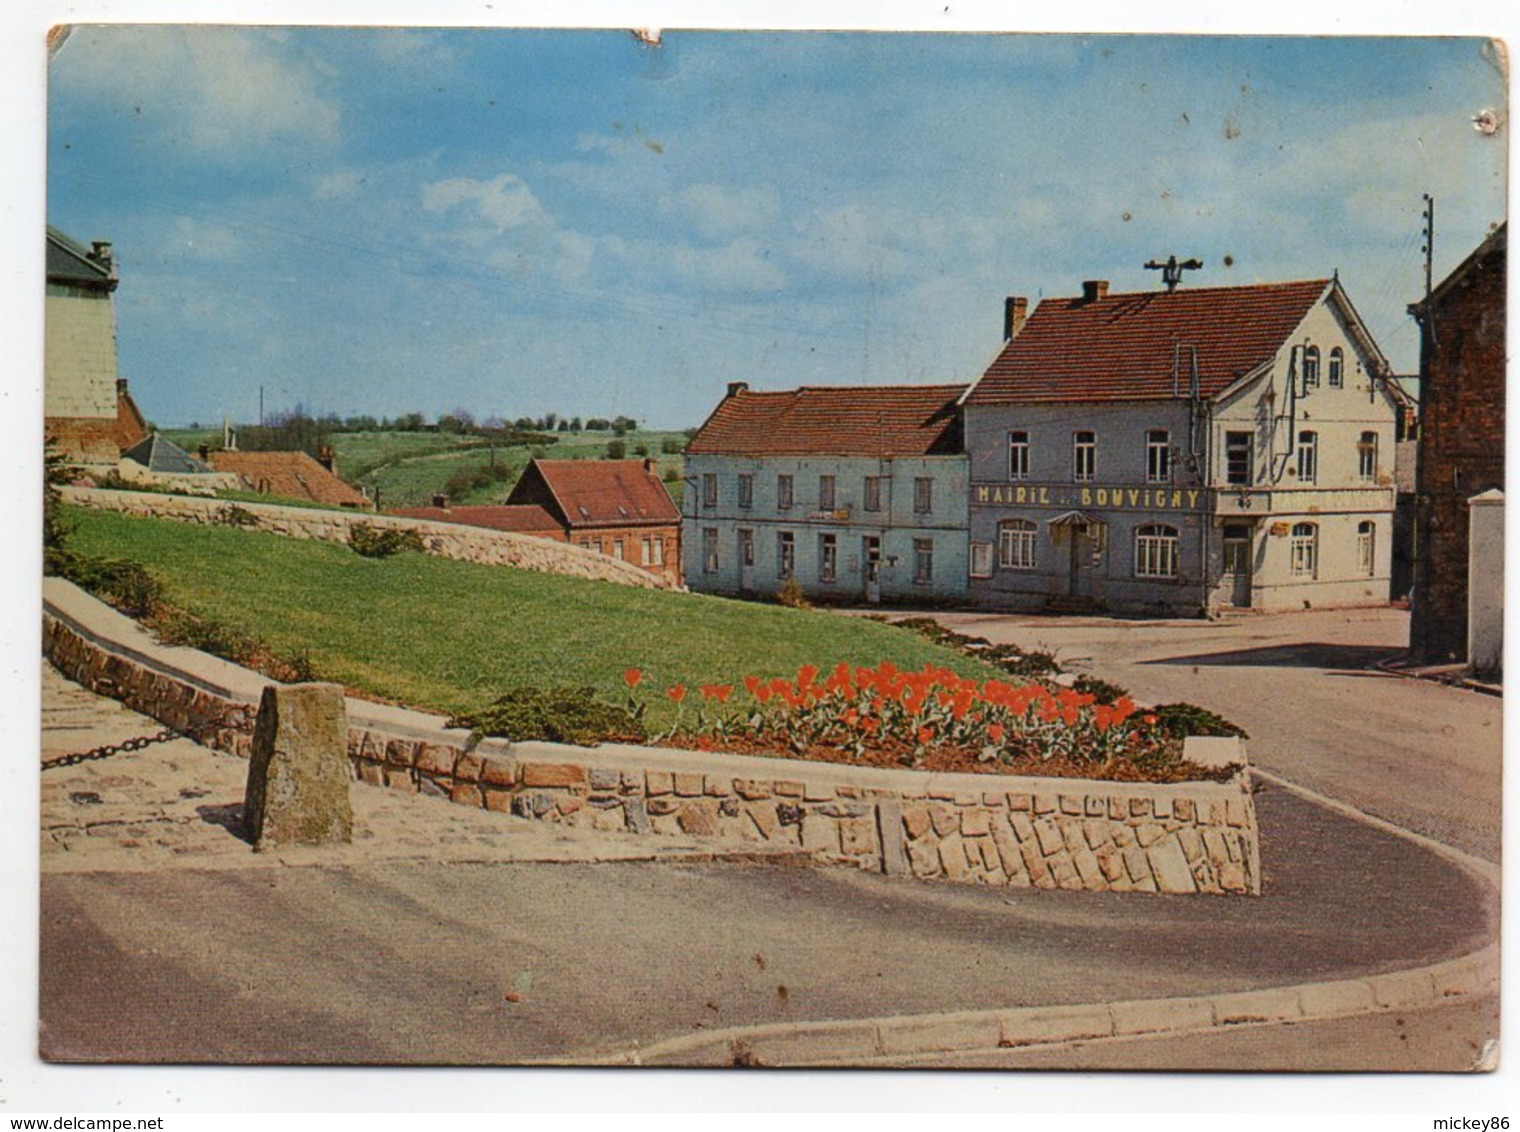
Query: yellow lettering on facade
{"type": "Point", "coordinates": [1134, 497]}
{"type": "Point", "coordinates": [1176, 499]}
{"type": "Point", "coordinates": [1044, 495]}
{"type": "Point", "coordinates": [981, 494]}
{"type": "Point", "coordinates": [1021, 495]}
{"type": "Point", "coordinates": [1086, 496]}
{"type": "Point", "coordinates": [1192, 499]}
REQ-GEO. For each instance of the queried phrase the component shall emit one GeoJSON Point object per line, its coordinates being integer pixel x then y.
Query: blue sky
{"type": "Point", "coordinates": [516, 222]}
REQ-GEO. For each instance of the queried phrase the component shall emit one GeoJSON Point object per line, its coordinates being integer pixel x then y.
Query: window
{"type": "Point", "coordinates": [872, 501]}
{"type": "Point", "coordinates": [1308, 456]}
{"type": "Point", "coordinates": [1017, 539]}
{"type": "Point", "coordinates": [1303, 548]}
{"type": "Point", "coordinates": [1237, 458]}
{"type": "Point", "coordinates": [658, 546]}
{"type": "Point", "coordinates": [1366, 456]}
{"type": "Point", "coordinates": [1084, 456]}
{"type": "Point", "coordinates": [746, 490]}
{"type": "Point", "coordinates": [923, 495]}
{"type": "Point", "coordinates": [746, 548]}
{"type": "Point", "coordinates": [786, 554]}
{"type": "Point", "coordinates": [1018, 455]}
{"type": "Point", "coordinates": [648, 553]}
{"type": "Point", "coordinates": [709, 550]}
{"type": "Point", "coordinates": [1156, 551]}
{"type": "Point", "coordinates": [1158, 456]}
{"type": "Point", "coordinates": [783, 492]}
{"type": "Point", "coordinates": [1337, 368]}
{"type": "Point", "coordinates": [1311, 368]}
{"type": "Point", "coordinates": [617, 549]}
{"type": "Point", "coordinates": [828, 558]}
{"type": "Point", "coordinates": [1366, 547]}
{"type": "Point", "coordinates": [923, 561]}
{"type": "Point", "coordinates": [709, 489]}
{"type": "Point", "coordinates": [981, 560]}
{"type": "Point", "coordinates": [825, 493]}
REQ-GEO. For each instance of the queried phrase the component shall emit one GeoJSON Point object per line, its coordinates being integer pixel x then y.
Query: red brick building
{"type": "Point", "coordinates": [615, 507]}
{"type": "Point", "coordinates": [1461, 444]}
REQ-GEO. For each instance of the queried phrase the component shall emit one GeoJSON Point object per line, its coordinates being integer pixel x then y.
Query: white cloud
{"type": "Point", "coordinates": [219, 91]}
{"type": "Point", "coordinates": [207, 240]}
{"type": "Point", "coordinates": [504, 201]}
{"type": "Point", "coordinates": [340, 184]}
{"type": "Point", "coordinates": [715, 211]}
{"type": "Point", "coordinates": [743, 265]}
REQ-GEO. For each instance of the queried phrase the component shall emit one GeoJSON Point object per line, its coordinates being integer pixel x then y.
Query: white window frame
{"type": "Point", "coordinates": [786, 555]}
{"type": "Point", "coordinates": [1018, 455]}
{"type": "Point", "coordinates": [871, 500]}
{"type": "Point", "coordinates": [746, 546]}
{"type": "Point", "coordinates": [923, 495]}
{"type": "Point", "coordinates": [709, 550]}
{"type": "Point", "coordinates": [981, 560]}
{"type": "Point", "coordinates": [826, 493]}
{"type": "Point", "coordinates": [1158, 456]}
{"type": "Point", "coordinates": [1156, 550]}
{"type": "Point", "coordinates": [1337, 370]}
{"type": "Point", "coordinates": [618, 551]}
{"type": "Point", "coordinates": [1246, 450]}
{"type": "Point", "coordinates": [646, 551]}
{"type": "Point", "coordinates": [1084, 456]}
{"type": "Point", "coordinates": [1303, 550]}
{"type": "Point", "coordinates": [1018, 545]}
{"type": "Point", "coordinates": [657, 543]}
{"type": "Point", "coordinates": [785, 492]}
{"type": "Point", "coordinates": [1306, 456]}
{"type": "Point", "coordinates": [923, 562]}
{"type": "Point", "coordinates": [1366, 548]}
{"type": "Point", "coordinates": [1367, 457]}
{"type": "Point", "coordinates": [746, 490]}
{"type": "Point", "coordinates": [709, 489]}
{"type": "Point", "coordinates": [1311, 368]}
{"type": "Point", "coordinates": [828, 558]}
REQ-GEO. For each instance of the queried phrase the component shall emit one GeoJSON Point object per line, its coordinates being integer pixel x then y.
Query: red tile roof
{"type": "Point", "coordinates": [524, 519]}
{"type": "Point", "coordinates": [857, 420]}
{"type": "Point", "coordinates": [600, 493]}
{"type": "Point", "coordinates": [1122, 347]}
{"type": "Point", "coordinates": [294, 475]}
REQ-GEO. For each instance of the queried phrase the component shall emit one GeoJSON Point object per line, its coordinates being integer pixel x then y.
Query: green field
{"type": "Point", "coordinates": [451, 636]}
{"type": "Point", "coordinates": [409, 468]}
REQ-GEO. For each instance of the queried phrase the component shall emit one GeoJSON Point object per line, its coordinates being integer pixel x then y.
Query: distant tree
{"type": "Point", "coordinates": [291, 431]}
{"type": "Point", "coordinates": [564, 425]}
{"type": "Point", "coordinates": [641, 450]}
{"type": "Point", "coordinates": [525, 424]}
{"type": "Point", "coordinates": [410, 422]}
{"type": "Point", "coordinates": [597, 424]}
{"type": "Point", "coordinates": [616, 449]}
{"type": "Point", "coordinates": [671, 446]}
{"type": "Point", "coordinates": [450, 423]}
{"type": "Point", "coordinates": [494, 423]}
{"type": "Point", "coordinates": [627, 424]}
{"type": "Point", "coordinates": [549, 421]}
{"type": "Point", "coordinates": [575, 424]}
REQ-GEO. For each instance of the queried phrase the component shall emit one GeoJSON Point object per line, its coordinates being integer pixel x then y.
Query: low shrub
{"type": "Point", "coordinates": [790, 595]}
{"type": "Point", "coordinates": [382, 542]}
{"type": "Point", "coordinates": [207, 634]}
{"type": "Point", "coordinates": [1105, 691]}
{"type": "Point", "coordinates": [561, 714]}
{"type": "Point", "coordinates": [1021, 662]}
{"type": "Point", "coordinates": [124, 584]}
{"type": "Point", "coordinates": [1180, 720]}
{"type": "Point", "coordinates": [234, 516]}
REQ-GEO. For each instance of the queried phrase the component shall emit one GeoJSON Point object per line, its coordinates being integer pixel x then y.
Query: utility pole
{"type": "Point", "coordinates": [1429, 249]}
{"type": "Point", "coordinates": [261, 406]}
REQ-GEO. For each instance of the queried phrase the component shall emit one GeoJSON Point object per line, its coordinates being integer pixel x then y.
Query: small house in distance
{"type": "Point", "coordinates": [615, 507]}
{"type": "Point", "coordinates": [856, 492]}
{"type": "Point", "coordinates": [287, 475]}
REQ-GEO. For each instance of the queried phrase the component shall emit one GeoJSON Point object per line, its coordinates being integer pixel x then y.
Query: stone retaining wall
{"type": "Point", "coordinates": [447, 540]}
{"type": "Point", "coordinates": [979, 829]}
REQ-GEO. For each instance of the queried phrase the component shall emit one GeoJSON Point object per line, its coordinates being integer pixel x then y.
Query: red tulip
{"type": "Point", "coordinates": [677, 693]}
{"type": "Point", "coordinates": [631, 677]}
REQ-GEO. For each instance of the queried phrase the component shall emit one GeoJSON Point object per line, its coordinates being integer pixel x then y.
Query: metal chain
{"type": "Point", "coordinates": [130, 745]}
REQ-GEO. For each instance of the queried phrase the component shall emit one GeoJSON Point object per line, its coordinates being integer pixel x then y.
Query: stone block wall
{"type": "Point", "coordinates": [447, 540]}
{"type": "Point", "coordinates": [1195, 837]}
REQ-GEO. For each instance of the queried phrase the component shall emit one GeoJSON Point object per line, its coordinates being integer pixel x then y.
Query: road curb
{"type": "Point", "coordinates": [893, 1040]}
{"type": "Point", "coordinates": [890, 1040]}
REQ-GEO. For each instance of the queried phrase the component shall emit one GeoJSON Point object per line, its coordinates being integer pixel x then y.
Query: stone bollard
{"type": "Point", "coordinates": [298, 775]}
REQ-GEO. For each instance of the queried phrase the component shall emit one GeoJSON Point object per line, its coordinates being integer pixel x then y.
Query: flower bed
{"type": "Point", "coordinates": [930, 719]}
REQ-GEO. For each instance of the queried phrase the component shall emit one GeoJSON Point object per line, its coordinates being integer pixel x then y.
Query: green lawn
{"type": "Point", "coordinates": [451, 636]}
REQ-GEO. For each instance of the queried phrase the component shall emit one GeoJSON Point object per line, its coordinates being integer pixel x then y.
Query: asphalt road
{"type": "Point", "coordinates": [410, 963]}
{"type": "Point", "coordinates": [1419, 754]}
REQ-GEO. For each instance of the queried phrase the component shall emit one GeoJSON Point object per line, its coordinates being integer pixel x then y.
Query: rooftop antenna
{"type": "Point", "coordinates": [1172, 269]}
{"type": "Point", "coordinates": [1429, 248]}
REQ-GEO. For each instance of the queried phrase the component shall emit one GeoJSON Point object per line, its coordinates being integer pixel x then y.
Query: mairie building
{"type": "Point", "coordinates": [858, 493]}
{"type": "Point", "coordinates": [1179, 452]}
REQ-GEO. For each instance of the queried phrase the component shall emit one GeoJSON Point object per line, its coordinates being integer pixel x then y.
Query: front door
{"type": "Point", "coordinates": [1237, 565]}
{"type": "Point", "coordinates": [1079, 576]}
{"type": "Point", "coordinates": [870, 556]}
{"type": "Point", "coordinates": [747, 560]}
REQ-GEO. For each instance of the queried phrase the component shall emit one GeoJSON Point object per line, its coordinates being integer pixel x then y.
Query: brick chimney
{"type": "Point", "coordinates": [327, 458]}
{"type": "Point", "coordinates": [737, 387]}
{"type": "Point", "coordinates": [649, 465]}
{"type": "Point", "coordinates": [1015, 314]}
{"type": "Point", "coordinates": [1094, 289]}
{"type": "Point", "coordinates": [441, 501]}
